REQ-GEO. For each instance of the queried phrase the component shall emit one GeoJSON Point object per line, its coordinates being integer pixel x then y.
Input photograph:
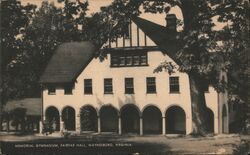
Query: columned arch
{"type": "Point", "coordinates": [109, 119]}
{"type": "Point", "coordinates": [52, 116]}
{"type": "Point", "coordinates": [88, 118]}
{"type": "Point", "coordinates": [175, 120]}
{"type": "Point", "coordinates": [152, 120]}
{"type": "Point", "coordinates": [69, 118]}
{"type": "Point", "coordinates": [130, 119]}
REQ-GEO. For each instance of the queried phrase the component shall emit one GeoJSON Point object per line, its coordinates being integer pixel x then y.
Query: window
{"type": "Point", "coordinates": [51, 90]}
{"type": "Point", "coordinates": [144, 60]}
{"type": "Point", "coordinates": [87, 86]}
{"type": "Point", "coordinates": [108, 88]}
{"type": "Point", "coordinates": [129, 86]}
{"type": "Point", "coordinates": [136, 60]}
{"type": "Point", "coordinates": [122, 61]}
{"type": "Point", "coordinates": [114, 60]}
{"type": "Point", "coordinates": [129, 58]}
{"type": "Point", "coordinates": [174, 84]}
{"type": "Point", "coordinates": [68, 88]}
{"type": "Point", "coordinates": [151, 87]}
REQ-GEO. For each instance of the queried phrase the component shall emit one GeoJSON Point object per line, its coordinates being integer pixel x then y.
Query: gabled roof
{"type": "Point", "coordinates": [32, 106]}
{"type": "Point", "coordinates": [68, 61]}
{"type": "Point", "coordinates": [163, 38]}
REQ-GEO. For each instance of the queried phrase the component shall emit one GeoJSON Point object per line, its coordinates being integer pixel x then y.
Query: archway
{"type": "Point", "coordinates": [130, 119]}
{"type": "Point", "coordinates": [68, 117]}
{"type": "Point", "coordinates": [224, 119]}
{"type": "Point", "coordinates": [210, 120]}
{"type": "Point", "coordinates": [152, 120]}
{"type": "Point", "coordinates": [109, 119]}
{"type": "Point", "coordinates": [88, 118]}
{"type": "Point", "coordinates": [175, 120]}
{"type": "Point", "coordinates": [53, 118]}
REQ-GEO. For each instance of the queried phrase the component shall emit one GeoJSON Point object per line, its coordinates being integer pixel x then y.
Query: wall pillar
{"type": "Point", "coordinates": [40, 126]}
{"type": "Point", "coordinates": [141, 126]}
{"type": "Point", "coordinates": [163, 126]}
{"type": "Point", "coordinates": [78, 124]}
{"type": "Point", "coordinates": [8, 122]}
{"type": "Point", "coordinates": [119, 125]}
{"type": "Point", "coordinates": [61, 124]}
{"type": "Point", "coordinates": [99, 124]}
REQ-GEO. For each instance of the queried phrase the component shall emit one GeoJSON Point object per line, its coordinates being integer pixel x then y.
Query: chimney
{"type": "Point", "coordinates": [171, 22]}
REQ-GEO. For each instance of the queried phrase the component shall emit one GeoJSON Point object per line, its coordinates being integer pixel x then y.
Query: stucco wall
{"type": "Point", "coordinates": [163, 99]}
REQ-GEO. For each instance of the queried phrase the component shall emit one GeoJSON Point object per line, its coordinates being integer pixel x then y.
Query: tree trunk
{"type": "Point", "coordinates": [198, 105]}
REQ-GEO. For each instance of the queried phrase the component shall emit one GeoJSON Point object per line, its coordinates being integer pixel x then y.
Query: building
{"type": "Point", "coordinates": [122, 93]}
{"type": "Point", "coordinates": [22, 115]}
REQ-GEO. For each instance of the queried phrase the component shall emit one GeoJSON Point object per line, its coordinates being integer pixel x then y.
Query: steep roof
{"type": "Point", "coordinates": [163, 38]}
{"type": "Point", "coordinates": [33, 106]}
{"type": "Point", "coordinates": [68, 61]}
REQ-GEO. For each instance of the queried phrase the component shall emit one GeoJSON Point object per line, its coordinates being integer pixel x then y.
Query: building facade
{"type": "Point", "coordinates": [122, 94]}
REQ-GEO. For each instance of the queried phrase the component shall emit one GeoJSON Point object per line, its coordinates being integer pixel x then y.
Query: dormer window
{"type": "Point", "coordinates": [51, 90]}
{"type": "Point", "coordinates": [68, 89]}
{"type": "Point", "coordinates": [129, 58]}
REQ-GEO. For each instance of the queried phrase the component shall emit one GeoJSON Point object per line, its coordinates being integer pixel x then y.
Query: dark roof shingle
{"type": "Point", "coordinates": [68, 61]}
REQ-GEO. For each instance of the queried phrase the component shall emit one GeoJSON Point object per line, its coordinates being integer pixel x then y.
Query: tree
{"type": "Point", "coordinates": [201, 54]}
{"type": "Point", "coordinates": [14, 18]}
{"type": "Point", "coordinates": [28, 40]}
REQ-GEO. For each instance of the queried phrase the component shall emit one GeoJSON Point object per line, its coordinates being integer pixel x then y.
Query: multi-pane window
{"type": "Point", "coordinates": [129, 85]}
{"type": "Point", "coordinates": [87, 86]}
{"type": "Point", "coordinates": [143, 60]}
{"type": "Point", "coordinates": [108, 87]}
{"type": "Point", "coordinates": [129, 58]}
{"type": "Point", "coordinates": [114, 60]}
{"type": "Point", "coordinates": [51, 90]}
{"type": "Point", "coordinates": [151, 86]}
{"type": "Point", "coordinates": [122, 61]}
{"type": "Point", "coordinates": [174, 84]}
{"type": "Point", "coordinates": [68, 88]}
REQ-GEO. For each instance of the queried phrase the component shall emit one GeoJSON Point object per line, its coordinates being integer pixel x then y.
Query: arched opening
{"type": "Point", "coordinates": [88, 118]}
{"type": "Point", "coordinates": [210, 120]}
{"type": "Point", "coordinates": [68, 117]}
{"type": "Point", "coordinates": [152, 120]}
{"type": "Point", "coordinates": [53, 118]}
{"type": "Point", "coordinates": [175, 120]}
{"type": "Point", "coordinates": [130, 119]}
{"type": "Point", "coordinates": [109, 119]}
{"type": "Point", "coordinates": [224, 119]}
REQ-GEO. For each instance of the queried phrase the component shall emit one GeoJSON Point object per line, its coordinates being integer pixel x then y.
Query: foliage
{"type": "Point", "coordinates": [29, 38]}
{"type": "Point", "coordinates": [15, 18]}
{"type": "Point", "coordinates": [204, 51]}
{"type": "Point", "coordinates": [47, 127]}
{"type": "Point", "coordinates": [18, 116]}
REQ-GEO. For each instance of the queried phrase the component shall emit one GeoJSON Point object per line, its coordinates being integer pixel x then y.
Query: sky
{"type": "Point", "coordinates": [94, 6]}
